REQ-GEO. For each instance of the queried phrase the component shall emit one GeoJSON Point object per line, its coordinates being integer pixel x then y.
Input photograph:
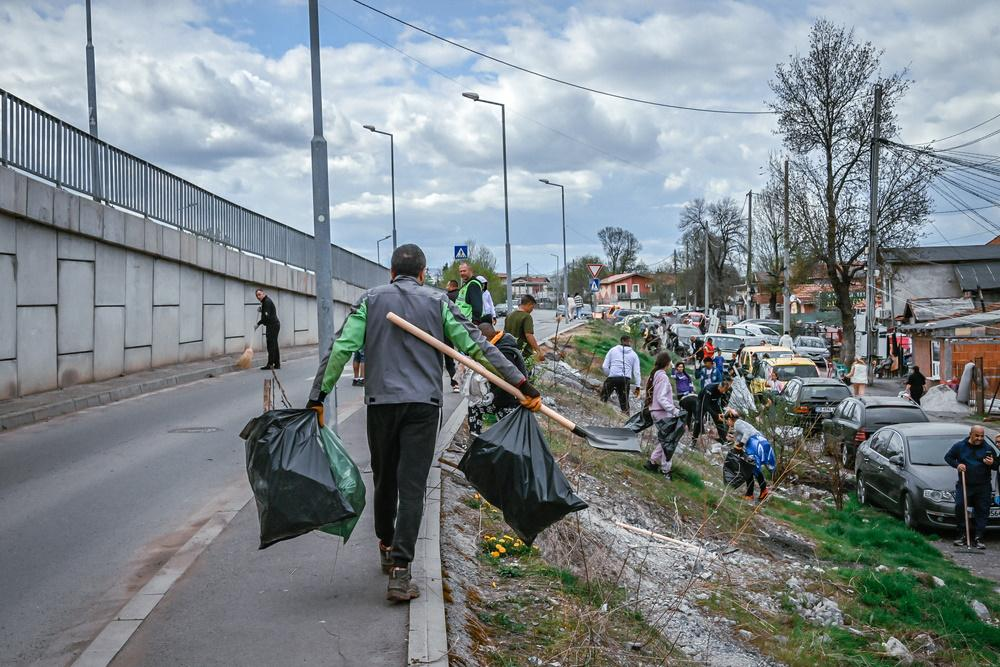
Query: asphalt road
{"type": "Point", "coordinates": [93, 503]}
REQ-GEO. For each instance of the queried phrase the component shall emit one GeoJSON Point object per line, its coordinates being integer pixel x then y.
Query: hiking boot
{"type": "Point", "coordinates": [979, 544]}
{"type": "Point", "coordinates": [384, 558]}
{"type": "Point", "coordinates": [748, 498]}
{"type": "Point", "coordinates": [764, 493]}
{"type": "Point", "coordinates": [401, 588]}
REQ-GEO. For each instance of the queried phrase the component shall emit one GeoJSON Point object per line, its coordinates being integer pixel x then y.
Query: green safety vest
{"type": "Point", "coordinates": [463, 306]}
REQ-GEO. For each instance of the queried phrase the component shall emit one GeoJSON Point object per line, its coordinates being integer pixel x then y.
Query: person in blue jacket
{"type": "Point", "coordinates": [972, 457]}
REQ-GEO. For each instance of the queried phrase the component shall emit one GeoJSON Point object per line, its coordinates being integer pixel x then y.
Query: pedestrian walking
{"type": "Point", "coordinates": [521, 326]}
{"type": "Point", "coordinates": [711, 401]}
{"type": "Point", "coordinates": [720, 364]}
{"type": "Point", "coordinates": [666, 416]}
{"type": "Point", "coordinates": [403, 395]}
{"type": "Point", "coordinates": [621, 366]}
{"type": "Point", "coordinates": [975, 462]}
{"type": "Point", "coordinates": [359, 369]}
{"type": "Point", "coordinates": [487, 398]}
{"type": "Point", "coordinates": [470, 295]}
{"type": "Point", "coordinates": [915, 385]}
{"type": "Point", "coordinates": [570, 308]}
{"type": "Point", "coordinates": [269, 320]}
{"type": "Point", "coordinates": [489, 309]}
{"type": "Point", "coordinates": [579, 301]}
{"type": "Point", "coordinates": [684, 383]}
{"type": "Point", "coordinates": [786, 341]}
{"type": "Point", "coordinates": [858, 375]}
{"type": "Point", "coordinates": [756, 446]}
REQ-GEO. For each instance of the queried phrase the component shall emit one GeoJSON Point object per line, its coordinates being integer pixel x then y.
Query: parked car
{"type": "Point", "coordinates": [659, 311]}
{"type": "Point", "coordinates": [694, 318]}
{"type": "Point", "coordinates": [806, 402]}
{"type": "Point", "coordinates": [585, 312]}
{"type": "Point", "coordinates": [859, 416]}
{"type": "Point", "coordinates": [620, 314]}
{"type": "Point", "coordinates": [727, 343]}
{"type": "Point", "coordinates": [774, 325]}
{"type": "Point", "coordinates": [683, 335]}
{"type": "Point", "coordinates": [501, 309]}
{"type": "Point", "coordinates": [602, 312]}
{"type": "Point", "coordinates": [751, 354]}
{"type": "Point", "coordinates": [729, 321]}
{"type": "Point", "coordinates": [755, 334]}
{"type": "Point", "coordinates": [812, 347]}
{"type": "Point", "coordinates": [785, 368]}
{"type": "Point", "coordinates": [902, 469]}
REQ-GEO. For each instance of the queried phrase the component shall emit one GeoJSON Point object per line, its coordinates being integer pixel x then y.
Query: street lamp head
{"type": "Point", "coordinates": [472, 96]}
{"type": "Point", "coordinates": [370, 128]}
{"type": "Point", "coordinates": [387, 236]}
{"type": "Point", "coordinates": [544, 180]}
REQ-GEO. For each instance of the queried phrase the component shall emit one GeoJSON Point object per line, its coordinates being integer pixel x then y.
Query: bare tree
{"type": "Point", "coordinates": [825, 106]}
{"type": "Point", "coordinates": [723, 222]}
{"type": "Point", "coordinates": [622, 248]}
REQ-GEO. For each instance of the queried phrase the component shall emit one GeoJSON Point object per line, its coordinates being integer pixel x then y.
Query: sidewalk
{"type": "Point", "coordinates": [307, 601]}
{"type": "Point", "coordinates": [17, 412]}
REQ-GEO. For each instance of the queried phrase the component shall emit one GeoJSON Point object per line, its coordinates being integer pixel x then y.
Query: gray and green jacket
{"type": "Point", "coordinates": [399, 368]}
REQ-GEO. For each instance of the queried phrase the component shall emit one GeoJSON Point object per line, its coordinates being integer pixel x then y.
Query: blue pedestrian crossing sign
{"type": "Point", "coordinates": [461, 252]}
{"type": "Point", "coordinates": [595, 284]}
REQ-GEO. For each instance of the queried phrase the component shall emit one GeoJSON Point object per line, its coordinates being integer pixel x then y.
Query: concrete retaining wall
{"type": "Point", "coordinates": [88, 292]}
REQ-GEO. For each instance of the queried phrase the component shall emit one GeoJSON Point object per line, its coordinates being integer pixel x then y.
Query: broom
{"type": "Point", "coordinates": [246, 359]}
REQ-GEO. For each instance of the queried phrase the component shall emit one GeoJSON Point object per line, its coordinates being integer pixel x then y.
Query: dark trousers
{"type": "Point", "coordinates": [271, 335]}
{"type": "Point", "coordinates": [709, 408]}
{"type": "Point", "coordinates": [979, 501]}
{"type": "Point", "coordinates": [401, 440]}
{"type": "Point", "coordinates": [617, 385]}
{"type": "Point", "coordinates": [758, 476]}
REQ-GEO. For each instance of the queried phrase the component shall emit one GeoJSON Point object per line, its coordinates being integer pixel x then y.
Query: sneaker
{"type": "Point", "coordinates": [979, 544]}
{"type": "Point", "coordinates": [454, 387]}
{"type": "Point", "coordinates": [265, 368]}
{"type": "Point", "coordinates": [361, 382]}
{"type": "Point", "coordinates": [960, 542]}
{"type": "Point", "coordinates": [669, 475]}
{"type": "Point", "coordinates": [384, 558]}
{"type": "Point", "coordinates": [401, 588]}
{"type": "Point", "coordinates": [749, 498]}
{"type": "Point", "coordinates": [764, 493]}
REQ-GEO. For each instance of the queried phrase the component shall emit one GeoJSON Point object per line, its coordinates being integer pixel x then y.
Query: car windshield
{"type": "Point", "coordinates": [825, 392]}
{"type": "Point", "coordinates": [764, 331]}
{"type": "Point", "coordinates": [883, 415]}
{"type": "Point", "coordinates": [929, 450]}
{"type": "Point", "coordinates": [688, 331]}
{"type": "Point", "coordinates": [727, 344]}
{"type": "Point", "coordinates": [809, 341]}
{"type": "Point", "coordinates": [786, 373]}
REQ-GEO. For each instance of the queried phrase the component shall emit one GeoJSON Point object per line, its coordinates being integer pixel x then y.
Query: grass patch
{"type": "Point", "coordinates": [601, 337]}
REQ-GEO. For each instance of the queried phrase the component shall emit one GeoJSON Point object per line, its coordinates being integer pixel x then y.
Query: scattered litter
{"type": "Point", "coordinates": [896, 649]}
{"type": "Point", "coordinates": [981, 611]}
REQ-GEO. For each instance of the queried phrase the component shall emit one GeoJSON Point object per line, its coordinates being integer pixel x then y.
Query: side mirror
{"type": "Point", "coordinates": [896, 460]}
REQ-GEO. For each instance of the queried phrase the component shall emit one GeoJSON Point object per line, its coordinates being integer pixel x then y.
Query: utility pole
{"type": "Point", "coordinates": [706, 270]}
{"type": "Point", "coordinates": [749, 250]}
{"type": "Point", "coordinates": [321, 206]}
{"type": "Point", "coordinates": [95, 166]}
{"type": "Point", "coordinates": [786, 311]}
{"type": "Point", "coordinates": [871, 324]}
{"type": "Point", "coordinates": [673, 292]}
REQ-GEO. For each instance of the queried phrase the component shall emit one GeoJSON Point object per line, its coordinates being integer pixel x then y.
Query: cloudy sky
{"type": "Point", "coordinates": [217, 91]}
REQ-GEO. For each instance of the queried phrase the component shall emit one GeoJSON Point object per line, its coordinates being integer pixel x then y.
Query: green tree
{"type": "Point", "coordinates": [621, 247]}
{"type": "Point", "coordinates": [579, 277]}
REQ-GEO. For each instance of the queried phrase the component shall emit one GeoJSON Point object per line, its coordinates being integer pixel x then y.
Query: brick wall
{"type": "Point", "coordinates": [963, 352]}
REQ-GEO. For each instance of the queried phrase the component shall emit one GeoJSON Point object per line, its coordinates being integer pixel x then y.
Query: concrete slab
{"type": "Point", "coordinates": [171, 243]}
{"type": "Point", "coordinates": [234, 309]}
{"type": "Point", "coordinates": [138, 358]}
{"type": "Point", "coordinates": [204, 253]}
{"type": "Point", "coordinates": [191, 287]}
{"type": "Point", "coordinates": [235, 345]}
{"type": "Point", "coordinates": [189, 248]}
{"type": "Point", "coordinates": [246, 267]}
{"type": "Point", "coordinates": [13, 191]}
{"type": "Point", "coordinates": [232, 262]}
{"type": "Point", "coordinates": [39, 201]}
{"type": "Point", "coordinates": [76, 307]}
{"type": "Point", "coordinates": [109, 276]}
{"type": "Point", "coordinates": [214, 289]}
{"type": "Point", "coordinates": [138, 300]}
{"type": "Point", "coordinates": [114, 226]}
{"type": "Point", "coordinates": [8, 379]}
{"type": "Point", "coordinates": [153, 243]}
{"type": "Point", "coordinates": [166, 335]}
{"type": "Point", "coordinates": [109, 342]}
{"type": "Point", "coordinates": [102, 650]}
{"type": "Point", "coordinates": [75, 369]}
{"type": "Point", "coordinates": [8, 234]}
{"type": "Point", "coordinates": [250, 319]}
{"type": "Point", "coordinates": [36, 349]}
{"type": "Point", "coordinates": [135, 232]}
{"type": "Point", "coordinates": [166, 283]}
{"type": "Point", "coordinates": [214, 330]}
{"type": "Point", "coordinates": [218, 258]}
{"type": "Point", "coordinates": [300, 312]}
{"type": "Point", "coordinates": [66, 210]}
{"type": "Point", "coordinates": [8, 308]}
{"type": "Point", "coordinates": [91, 218]}
{"type": "Point", "coordinates": [36, 264]}
{"type": "Point", "coordinates": [191, 351]}
{"type": "Point", "coordinates": [74, 246]}
{"type": "Point", "coordinates": [259, 271]}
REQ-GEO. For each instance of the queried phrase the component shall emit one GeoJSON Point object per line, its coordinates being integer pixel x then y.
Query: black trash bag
{"type": "Point", "coordinates": [290, 475]}
{"type": "Point", "coordinates": [640, 421]}
{"type": "Point", "coordinates": [511, 466]}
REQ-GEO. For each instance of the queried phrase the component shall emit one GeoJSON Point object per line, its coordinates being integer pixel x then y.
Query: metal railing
{"type": "Point", "coordinates": [45, 146]}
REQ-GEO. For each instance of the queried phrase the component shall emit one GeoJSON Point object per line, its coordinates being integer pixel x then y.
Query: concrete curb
{"type": "Point", "coordinates": [427, 643]}
{"type": "Point", "coordinates": [105, 396]}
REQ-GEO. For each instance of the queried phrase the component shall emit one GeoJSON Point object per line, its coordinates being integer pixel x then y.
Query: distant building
{"type": "Point", "coordinates": [942, 272]}
{"type": "Point", "coordinates": [539, 287]}
{"type": "Point", "coordinates": [628, 290]}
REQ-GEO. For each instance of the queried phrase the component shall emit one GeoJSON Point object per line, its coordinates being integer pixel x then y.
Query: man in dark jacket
{"type": "Point", "coordinates": [403, 394]}
{"type": "Point", "coordinates": [269, 318]}
{"type": "Point", "coordinates": [495, 401]}
{"type": "Point", "coordinates": [470, 296]}
{"type": "Point", "coordinates": [711, 400]}
{"type": "Point", "coordinates": [972, 457]}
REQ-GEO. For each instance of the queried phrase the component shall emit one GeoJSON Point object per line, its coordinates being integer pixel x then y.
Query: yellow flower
{"type": "Point", "coordinates": [489, 538]}
{"type": "Point", "coordinates": [495, 554]}
{"type": "Point", "coordinates": [501, 549]}
{"type": "Point", "coordinates": [476, 496]}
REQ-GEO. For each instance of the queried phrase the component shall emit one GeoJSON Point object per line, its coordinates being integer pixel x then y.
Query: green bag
{"type": "Point", "coordinates": [349, 481]}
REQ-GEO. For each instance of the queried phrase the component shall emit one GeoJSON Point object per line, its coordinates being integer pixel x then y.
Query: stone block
{"type": "Point", "coordinates": [138, 300]}
{"type": "Point", "coordinates": [8, 234]}
{"type": "Point", "coordinates": [66, 210]}
{"type": "Point", "coordinates": [36, 265]}
{"type": "Point", "coordinates": [75, 317]}
{"type": "Point", "coordinates": [259, 271]}
{"type": "Point", "coordinates": [234, 309]}
{"type": "Point", "coordinates": [246, 267]}
{"type": "Point", "coordinates": [36, 349]}
{"type": "Point", "coordinates": [232, 262]}
{"type": "Point", "coordinates": [153, 243]}
{"type": "Point", "coordinates": [191, 305]}
{"type": "Point", "coordinates": [204, 253]}
{"type": "Point", "coordinates": [40, 201]}
{"type": "Point", "coordinates": [91, 218]}
{"type": "Point", "coordinates": [214, 330]}
{"type": "Point", "coordinates": [109, 341]}
{"type": "Point", "coordinates": [218, 258]}
{"type": "Point", "coordinates": [109, 276]}
{"type": "Point", "coordinates": [13, 191]}
{"type": "Point", "coordinates": [300, 312]}
{"type": "Point", "coordinates": [75, 369]}
{"type": "Point", "coordinates": [74, 246]}
{"type": "Point", "coordinates": [8, 379]}
{"type": "Point", "coordinates": [138, 358]}
{"type": "Point", "coordinates": [171, 243]}
{"type": "Point", "coordinates": [214, 287]}
{"type": "Point", "coordinates": [166, 283]}
{"type": "Point", "coordinates": [135, 232]}
{"type": "Point", "coordinates": [166, 335]}
{"type": "Point", "coordinates": [193, 351]}
{"type": "Point", "coordinates": [189, 248]}
{"type": "Point", "coordinates": [114, 226]}
{"type": "Point", "coordinates": [8, 308]}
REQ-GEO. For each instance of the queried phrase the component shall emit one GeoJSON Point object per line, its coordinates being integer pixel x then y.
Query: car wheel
{"type": "Point", "coordinates": [909, 513]}
{"type": "Point", "coordinates": [845, 456]}
{"type": "Point", "coordinates": [862, 490]}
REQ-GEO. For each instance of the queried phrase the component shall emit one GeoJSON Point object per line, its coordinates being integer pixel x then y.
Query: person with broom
{"type": "Point", "coordinates": [975, 462]}
{"type": "Point", "coordinates": [403, 395]}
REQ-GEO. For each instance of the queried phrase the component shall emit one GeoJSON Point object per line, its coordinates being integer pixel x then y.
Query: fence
{"type": "Point", "coordinates": [42, 145]}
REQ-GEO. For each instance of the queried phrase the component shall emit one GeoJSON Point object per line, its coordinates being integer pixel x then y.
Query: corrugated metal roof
{"type": "Point", "coordinates": [978, 275]}
{"type": "Point", "coordinates": [972, 320]}
{"type": "Point", "coordinates": [936, 308]}
{"type": "Point", "coordinates": [944, 254]}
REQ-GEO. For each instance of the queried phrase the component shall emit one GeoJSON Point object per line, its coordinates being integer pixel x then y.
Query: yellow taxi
{"type": "Point", "coordinates": [785, 368]}
{"type": "Point", "coordinates": [750, 355]}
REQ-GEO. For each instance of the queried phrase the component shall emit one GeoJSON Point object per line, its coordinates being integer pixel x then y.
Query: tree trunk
{"type": "Point", "coordinates": [842, 292]}
{"type": "Point", "coordinates": [772, 303]}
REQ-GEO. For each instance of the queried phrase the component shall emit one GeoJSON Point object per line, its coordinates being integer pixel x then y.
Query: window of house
{"type": "Point", "coordinates": [935, 359]}
{"type": "Point", "coordinates": [635, 288]}
{"type": "Point", "coordinates": [621, 289]}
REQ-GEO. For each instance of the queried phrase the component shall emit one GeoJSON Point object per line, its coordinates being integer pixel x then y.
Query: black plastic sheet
{"type": "Point", "coordinates": [640, 421]}
{"type": "Point", "coordinates": [512, 468]}
{"type": "Point", "coordinates": [291, 476]}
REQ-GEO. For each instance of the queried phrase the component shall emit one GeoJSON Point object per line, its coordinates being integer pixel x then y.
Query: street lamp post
{"type": "Point", "coordinates": [378, 247]}
{"type": "Point", "coordinates": [557, 278]}
{"type": "Point", "coordinates": [562, 195]}
{"type": "Point", "coordinates": [506, 211]}
{"type": "Point", "coordinates": [392, 177]}
{"type": "Point", "coordinates": [95, 167]}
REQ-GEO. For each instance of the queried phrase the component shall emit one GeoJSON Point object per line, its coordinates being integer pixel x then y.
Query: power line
{"type": "Point", "coordinates": [553, 79]}
{"type": "Point", "coordinates": [958, 134]}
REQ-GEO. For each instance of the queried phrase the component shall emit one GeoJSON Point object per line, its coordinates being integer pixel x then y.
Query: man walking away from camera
{"type": "Point", "coordinates": [403, 397]}
{"type": "Point", "coordinates": [269, 319]}
{"type": "Point", "coordinates": [973, 457]}
{"type": "Point", "coordinates": [621, 365]}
